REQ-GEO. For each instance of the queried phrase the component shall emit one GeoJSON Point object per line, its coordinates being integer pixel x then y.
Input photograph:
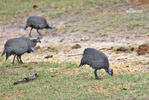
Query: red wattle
{"type": "Point", "coordinates": [111, 72]}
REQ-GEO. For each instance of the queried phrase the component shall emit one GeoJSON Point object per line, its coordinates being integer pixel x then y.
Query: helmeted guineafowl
{"type": "Point", "coordinates": [19, 46]}
{"type": "Point", "coordinates": [97, 60]}
{"type": "Point", "coordinates": [31, 43]}
{"type": "Point", "coordinates": [37, 22]}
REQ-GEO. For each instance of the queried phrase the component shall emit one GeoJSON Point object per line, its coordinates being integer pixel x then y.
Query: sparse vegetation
{"type": "Point", "coordinates": [53, 83]}
{"type": "Point", "coordinates": [88, 20]}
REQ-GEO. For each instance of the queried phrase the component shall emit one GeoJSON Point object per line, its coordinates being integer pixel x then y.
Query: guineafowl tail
{"type": "Point", "coordinates": [83, 62]}
{"type": "Point", "coordinates": [80, 65]}
{"type": "Point", "coordinates": [3, 52]}
{"type": "Point", "coordinates": [25, 27]}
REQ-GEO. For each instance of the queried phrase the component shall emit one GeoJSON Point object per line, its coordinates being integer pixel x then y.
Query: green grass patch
{"type": "Point", "coordinates": [94, 16]}
{"type": "Point", "coordinates": [9, 8]}
{"type": "Point", "coordinates": [54, 82]}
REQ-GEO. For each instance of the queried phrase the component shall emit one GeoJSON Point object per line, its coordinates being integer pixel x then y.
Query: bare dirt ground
{"type": "Point", "coordinates": [59, 43]}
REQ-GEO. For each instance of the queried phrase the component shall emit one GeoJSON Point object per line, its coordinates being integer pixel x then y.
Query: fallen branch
{"type": "Point", "coordinates": [74, 55]}
{"type": "Point", "coordinates": [27, 79]}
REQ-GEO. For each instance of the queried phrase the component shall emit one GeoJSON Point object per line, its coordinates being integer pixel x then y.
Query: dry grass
{"type": "Point", "coordinates": [59, 77]}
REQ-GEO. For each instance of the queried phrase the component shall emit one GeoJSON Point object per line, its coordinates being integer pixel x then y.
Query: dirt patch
{"type": "Point", "coordinates": [60, 42]}
{"type": "Point", "coordinates": [137, 2]}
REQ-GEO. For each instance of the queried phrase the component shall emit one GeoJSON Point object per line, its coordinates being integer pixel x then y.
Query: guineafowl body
{"type": "Point", "coordinates": [97, 60]}
{"type": "Point", "coordinates": [19, 46]}
{"type": "Point", "coordinates": [37, 22]}
{"type": "Point", "coordinates": [31, 43]}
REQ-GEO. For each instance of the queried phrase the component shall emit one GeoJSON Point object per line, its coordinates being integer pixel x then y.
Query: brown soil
{"type": "Point", "coordinates": [62, 42]}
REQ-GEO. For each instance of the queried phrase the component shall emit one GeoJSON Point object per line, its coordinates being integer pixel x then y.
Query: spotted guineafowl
{"type": "Point", "coordinates": [37, 22]}
{"type": "Point", "coordinates": [97, 60]}
{"type": "Point", "coordinates": [19, 46]}
{"type": "Point", "coordinates": [31, 43]}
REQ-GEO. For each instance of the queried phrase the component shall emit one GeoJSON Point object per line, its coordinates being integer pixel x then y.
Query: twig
{"type": "Point", "coordinates": [74, 55]}
{"type": "Point", "coordinates": [27, 79]}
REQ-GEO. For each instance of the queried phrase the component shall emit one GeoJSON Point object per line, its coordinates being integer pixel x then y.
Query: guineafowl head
{"type": "Point", "coordinates": [51, 27]}
{"type": "Point", "coordinates": [36, 40]}
{"type": "Point", "coordinates": [110, 72]}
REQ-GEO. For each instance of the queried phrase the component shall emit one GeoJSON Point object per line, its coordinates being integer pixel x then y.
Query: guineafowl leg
{"type": "Point", "coordinates": [38, 32]}
{"type": "Point", "coordinates": [20, 59]}
{"type": "Point", "coordinates": [13, 59]}
{"type": "Point", "coordinates": [30, 32]}
{"type": "Point", "coordinates": [96, 76]}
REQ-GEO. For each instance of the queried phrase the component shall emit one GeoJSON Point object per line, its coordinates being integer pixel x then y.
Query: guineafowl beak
{"type": "Point", "coordinates": [51, 27]}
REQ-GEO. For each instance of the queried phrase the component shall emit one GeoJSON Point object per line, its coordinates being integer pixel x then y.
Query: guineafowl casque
{"type": "Point", "coordinates": [19, 46]}
{"type": "Point", "coordinates": [97, 60]}
{"type": "Point", "coordinates": [37, 22]}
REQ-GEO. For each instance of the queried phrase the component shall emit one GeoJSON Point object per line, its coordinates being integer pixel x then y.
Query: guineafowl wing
{"type": "Point", "coordinates": [98, 64]}
{"type": "Point", "coordinates": [18, 43]}
{"type": "Point", "coordinates": [37, 22]}
{"type": "Point", "coordinates": [18, 51]}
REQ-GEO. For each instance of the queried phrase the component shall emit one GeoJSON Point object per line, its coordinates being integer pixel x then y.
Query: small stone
{"type": "Point", "coordinates": [62, 40]}
{"type": "Point", "coordinates": [132, 10]}
{"type": "Point", "coordinates": [124, 89]}
{"type": "Point", "coordinates": [35, 6]}
{"type": "Point", "coordinates": [122, 49]}
{"type": "Point", "coordinates": [76, 46]}
{"type": "Point", "coordinates": [142, 49]}
{"type": "Point", "coordinates": [127, 66]}
{"type": "Point", "coordinates": [49, 56]}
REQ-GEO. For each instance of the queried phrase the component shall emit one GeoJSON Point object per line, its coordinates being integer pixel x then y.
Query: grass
{"type": "Point", "coordinates": [65, 81]}
{"type": "Point", "coordinates": [9, 8]}
{"type": "Point", "coordinates": [107, 20]}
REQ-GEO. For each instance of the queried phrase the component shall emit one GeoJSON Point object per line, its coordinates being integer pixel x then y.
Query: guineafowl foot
{"type": "Point", "coordinates": [39, 32]}
{"type": "Point", "coordinates": [97, 78]}
{"type": "Point", "coordinates": [21, 63]}
{"type": "Point", "coordinates": [30, 36]}
{"type": "Point", "coordinates": [40, 35]}
{"type": "Point", "coordinates": [12, 63]}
